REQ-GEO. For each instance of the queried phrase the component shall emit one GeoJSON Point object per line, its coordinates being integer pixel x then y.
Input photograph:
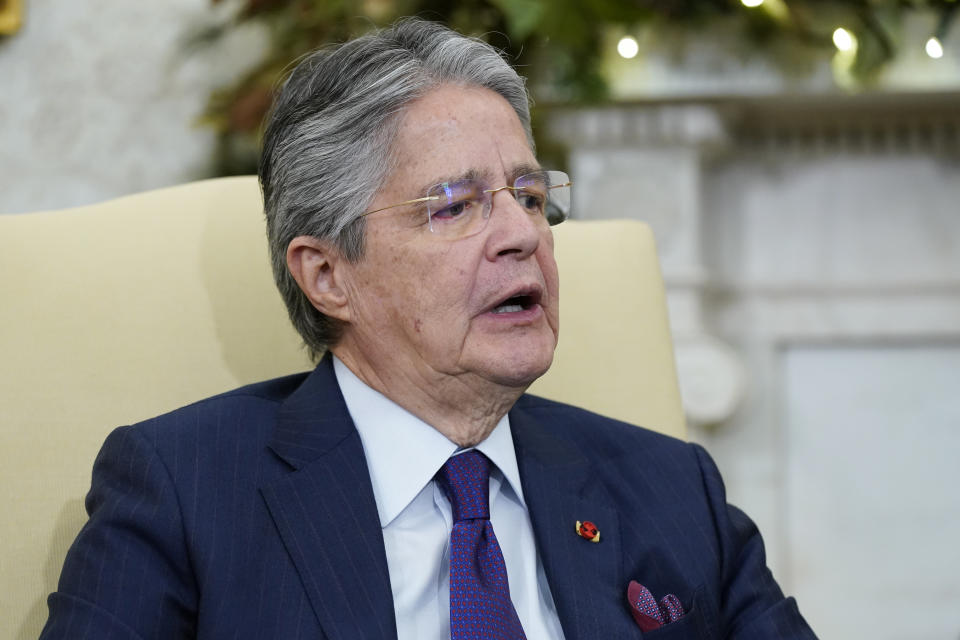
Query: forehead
{"type": "Point", "coordinates": [456, 131]}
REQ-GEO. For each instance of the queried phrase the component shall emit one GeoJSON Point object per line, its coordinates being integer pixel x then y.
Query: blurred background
{"type": "Point", "coordinates": [799, 161]}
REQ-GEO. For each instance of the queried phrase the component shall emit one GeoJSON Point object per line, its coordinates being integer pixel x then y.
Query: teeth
{"type": "Point", "coordinates": [508, 308]}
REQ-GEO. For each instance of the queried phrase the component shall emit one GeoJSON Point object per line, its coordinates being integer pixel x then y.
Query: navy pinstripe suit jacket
{"type": "Point", "coordinates": [251, 515]}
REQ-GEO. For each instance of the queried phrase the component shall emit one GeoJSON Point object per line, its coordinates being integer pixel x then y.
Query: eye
{"type": "Point", "coordinates": [455, 201]}
{"type": "Point", "coordinates": [453, 211]}
{"type": "Point", "coordinates": [532, 202]}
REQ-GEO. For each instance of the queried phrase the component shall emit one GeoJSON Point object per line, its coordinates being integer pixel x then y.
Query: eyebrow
{"type": "Point", "coordinates": [482, 176]}
{"type": "Point", "coordinates": [522, 170]}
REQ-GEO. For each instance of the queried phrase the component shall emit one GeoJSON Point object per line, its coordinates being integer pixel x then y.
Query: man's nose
{"type": "Point", "coordinates": [512, 229]}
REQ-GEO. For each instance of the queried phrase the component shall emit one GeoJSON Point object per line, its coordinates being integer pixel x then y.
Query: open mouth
{"type": "Point", "coordinates": [517, 303]}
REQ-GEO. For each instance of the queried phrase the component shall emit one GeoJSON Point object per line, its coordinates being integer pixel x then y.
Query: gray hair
{"type": "Point", "coordinates": [326, 148]}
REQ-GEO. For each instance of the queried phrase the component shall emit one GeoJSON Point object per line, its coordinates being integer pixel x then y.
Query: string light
{"type": "Point", "coordinates": [934, 48]}
{"type": "Point", "coordinates": [843, 39]}
{"type": "Point", "coordinates": [751, 3]}
{"type": "Point", "coordinates": [627, 47]}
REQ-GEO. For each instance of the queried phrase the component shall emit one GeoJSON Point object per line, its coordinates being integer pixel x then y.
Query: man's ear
{"type": "Point", "coordinates": [318, 267]}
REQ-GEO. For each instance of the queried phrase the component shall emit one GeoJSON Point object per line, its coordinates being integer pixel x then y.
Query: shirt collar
{"type": "Point", "coordinates": [498, 446]}
{"type": "Point", "coordinates": [404, 452]}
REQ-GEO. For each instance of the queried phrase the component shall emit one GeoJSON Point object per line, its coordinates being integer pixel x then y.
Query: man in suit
{"type": "Point", "coordinates": [407, 488]}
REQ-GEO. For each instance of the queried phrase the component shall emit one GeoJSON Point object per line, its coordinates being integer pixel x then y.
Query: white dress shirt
{"type": "Point", "coordinates": [403, 454]}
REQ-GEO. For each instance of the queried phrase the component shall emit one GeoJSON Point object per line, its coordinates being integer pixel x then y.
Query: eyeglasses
{"type": "Point", "coordinates": [462, 208]}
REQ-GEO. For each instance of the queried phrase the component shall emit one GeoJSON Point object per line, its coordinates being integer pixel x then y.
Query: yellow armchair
{"type": "Point", "coordinates": [113, 313]}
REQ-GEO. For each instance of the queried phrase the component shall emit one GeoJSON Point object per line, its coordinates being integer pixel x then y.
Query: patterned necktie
{"type": "Point", "coordinates": [480, 605]}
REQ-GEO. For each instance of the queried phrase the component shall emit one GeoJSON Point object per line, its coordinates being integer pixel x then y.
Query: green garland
{"type": "Point", "coordinates": [559, 44]}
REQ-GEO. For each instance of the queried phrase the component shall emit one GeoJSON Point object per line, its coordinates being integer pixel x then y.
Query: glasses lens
{"type": "Point", "coordinates": [546, 191]}
{"type": "Point", "coordinates": [531, 192]}
{"type": "Point", "coordinates": [459, 209]}
{"type": "Point", "coordinates": [456, 208]}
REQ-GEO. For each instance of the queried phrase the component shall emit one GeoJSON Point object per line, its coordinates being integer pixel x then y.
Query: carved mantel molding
{"type": "Point", "coordinates": [865, 122]}
{"type": "Point", "coordinates": [653, 161]}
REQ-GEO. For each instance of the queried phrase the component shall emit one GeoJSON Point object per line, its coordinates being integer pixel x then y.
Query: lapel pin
{"type": "Point", "coordinates": [588, 530]}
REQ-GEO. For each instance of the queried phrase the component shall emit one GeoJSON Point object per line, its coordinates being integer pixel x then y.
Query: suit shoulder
{"type": "Point", "coordinates": [274, 390]}
{"type": "Point", "coordinates": [593, 430]}
{"type": "Point", "coordinates": [253, 404]}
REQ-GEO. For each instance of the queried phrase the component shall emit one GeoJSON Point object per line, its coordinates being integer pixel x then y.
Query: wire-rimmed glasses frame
{"type": "Point", "coordinates": [452, 207]}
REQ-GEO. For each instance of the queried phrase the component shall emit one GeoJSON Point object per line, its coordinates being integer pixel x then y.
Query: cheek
{"type": "Point", "coordinates": [413, 286]}
{"type": "Point", "coordinates": [449, 280]}
{"type": "Point", "coordinates": [385, 290]}
{"type": "Point", "coordinates": [421, 292]}
{"type": "Point", "coordinates": [551, 275]}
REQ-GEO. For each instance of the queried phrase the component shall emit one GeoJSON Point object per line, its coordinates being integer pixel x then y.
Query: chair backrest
{"type": "Point", "coordinates": [113, 313]}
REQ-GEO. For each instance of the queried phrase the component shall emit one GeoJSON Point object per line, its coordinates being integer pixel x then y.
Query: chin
{"type": "Point", "coordinates": [519, 368]}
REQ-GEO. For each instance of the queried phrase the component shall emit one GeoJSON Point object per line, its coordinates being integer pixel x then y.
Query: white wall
{"type": "Point", "coordinates": [812, 246]}
{"type": "Point", "coordinates": [871, 503]}
{"type": "Point", "coordinates": [838, 279]}
{"type": "Point", "coordinates": [97, 99]}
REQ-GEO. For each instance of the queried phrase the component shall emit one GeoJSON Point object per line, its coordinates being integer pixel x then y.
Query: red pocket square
{"type": "Point", "coordinates": [647, 612]}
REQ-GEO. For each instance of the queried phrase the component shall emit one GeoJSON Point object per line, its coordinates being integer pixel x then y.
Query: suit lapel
{"type": "Point", "coordinates": [585, 578]}
{"type": "Point", "coordinates": [326, 514]}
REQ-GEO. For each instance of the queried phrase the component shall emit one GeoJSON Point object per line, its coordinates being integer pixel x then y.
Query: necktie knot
{"type": "Point", "coordinates": [466, 481]}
